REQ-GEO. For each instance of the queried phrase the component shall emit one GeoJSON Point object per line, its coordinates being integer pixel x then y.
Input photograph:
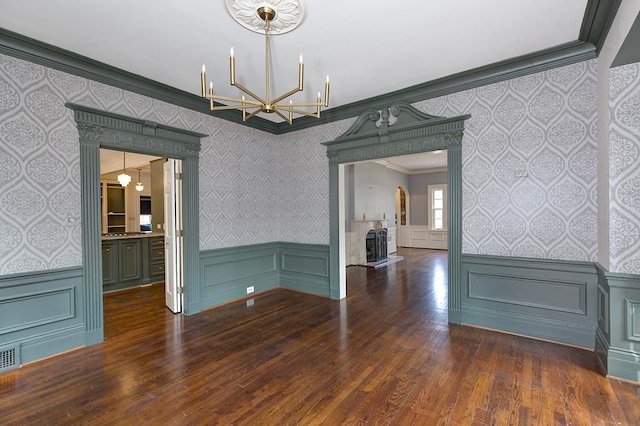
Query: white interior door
{"type": "Point", "coordinates": [173, 235]}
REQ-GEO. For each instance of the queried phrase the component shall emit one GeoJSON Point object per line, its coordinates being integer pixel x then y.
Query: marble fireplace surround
{"type": "Point", "coordinates": [355, 240]}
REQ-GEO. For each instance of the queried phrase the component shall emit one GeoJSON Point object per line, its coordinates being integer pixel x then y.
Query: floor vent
{"type": "Point", "coordinates": [9, 358]}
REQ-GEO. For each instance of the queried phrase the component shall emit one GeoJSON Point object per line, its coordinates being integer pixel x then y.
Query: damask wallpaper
{"type": "Point", "coordinates": [254, 187]}
{"type": "Point", "coordinates": [529, 164]}
{"type": "Point", "coordinates": [624, 168]}
{"type": "Point", "coordinates": [529, 168]}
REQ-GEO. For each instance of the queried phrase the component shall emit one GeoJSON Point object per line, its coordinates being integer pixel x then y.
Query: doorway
{"type": "Point", "coordinates": [374, 136]}
{"type": "Point", "coordinates": [141, 223]}
{"type": "Point", "coordinates": [98, 128]}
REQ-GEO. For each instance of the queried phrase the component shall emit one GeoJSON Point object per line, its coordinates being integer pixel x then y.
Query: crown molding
{"type": "Point", "coordinates": [519, 66]}
{"type": "Point", "coordinates": [599, 15]}
{"type": "Point", "coordinates": [22, 47]}
{"type": "Point", "coordinates": [597, 20]}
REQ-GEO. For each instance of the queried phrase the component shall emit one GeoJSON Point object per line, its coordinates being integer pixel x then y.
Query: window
{"type": "Point", "coordinates": [437, 206]}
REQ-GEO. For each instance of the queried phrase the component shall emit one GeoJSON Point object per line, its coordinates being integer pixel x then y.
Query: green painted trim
{"type": "Point", "coordinates": [628, 53]}
{"type": "Point", "coordinates": [618, 279]}
{"type": "Point", "coordinates": [412, 132]}
{"type": "Point", "coordinates": [531, 325]}
{"type": "Point", "coordinates": [501, 296]}
{"type": "Point", "coordinates": [98, 128]}
{"type": "Point", "coordinates": [565, 54]}
{"type": "Point", "coordinates": [243, 266]}
{"type": "Point", "coordinates": [50, 335]}
{"type": "Point", "coordinates": [38, 52]}
{"type": "Point", "coordinates": [597, 21]}
{"type": "Point", "coordinates": [60, 340]}
{"type": "Point", "coordinates": [305, 268]}
{"type": "Point", "coordinates": [22, 278]}
{"type": "Point", "coordinates": [623, 296]}
{"type": "Point", "coordinates": [22, 47]}
{"type": "Point", "coordinates": [624, 364]}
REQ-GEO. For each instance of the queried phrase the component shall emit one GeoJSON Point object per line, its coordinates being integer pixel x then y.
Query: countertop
{"type": "Point", "coordinates": [129, 235]}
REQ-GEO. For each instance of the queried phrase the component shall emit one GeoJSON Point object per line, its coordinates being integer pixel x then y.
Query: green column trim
{"type": "Point", "coordinates": [91, 230]}
{"type": "Point", "coordinates": [373, 136]}
{"type": "Point", "coordinates": [103, 129]}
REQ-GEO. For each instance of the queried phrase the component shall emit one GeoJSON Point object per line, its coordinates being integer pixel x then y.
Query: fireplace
{"type": "Point", "coordinates": [376, 245]}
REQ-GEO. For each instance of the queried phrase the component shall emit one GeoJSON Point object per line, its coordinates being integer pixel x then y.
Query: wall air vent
{"type": "Point", "coordinates": [9, 357]}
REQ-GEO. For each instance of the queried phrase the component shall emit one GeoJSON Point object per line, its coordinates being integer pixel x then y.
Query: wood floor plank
{"type": "Point", "coordinates": [384, 355]}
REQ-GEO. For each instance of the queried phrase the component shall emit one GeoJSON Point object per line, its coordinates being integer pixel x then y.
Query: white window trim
{"type": "Point", "coordinates": [430, 190]}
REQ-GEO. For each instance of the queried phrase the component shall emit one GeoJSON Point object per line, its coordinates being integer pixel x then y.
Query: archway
{"type": "Point", "coordinates": [374, 136]}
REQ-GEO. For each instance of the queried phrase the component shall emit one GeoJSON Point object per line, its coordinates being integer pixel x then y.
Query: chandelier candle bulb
{"type": "Point", "coordinates": [232, 68]}
{"type": "Point", "coordinates": [326, 92]}
{"type": "Point", "coordinates": [300, 74]}
{"type": "Point", "coordinates": [291, 106]}
{"type": "Point", "coordinates": [203, 77]}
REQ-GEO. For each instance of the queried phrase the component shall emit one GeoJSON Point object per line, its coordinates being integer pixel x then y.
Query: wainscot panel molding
{"type": "Point", "coordinates": [41, 313]}
{"type": "Point", "coordinates": [420, 236]}
{"type": "Point", "coordinates": [305, 268]}
{"type": "Point", "coordinates": [548, 299]}
{"type": "Point", "coordinates": [226, 273]}
{"type": "Point", "coordinates": [623, 355]}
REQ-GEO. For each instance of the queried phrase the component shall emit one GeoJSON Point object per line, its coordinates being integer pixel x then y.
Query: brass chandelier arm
{"type": "Point", "coordinates": [253, 114]}
{"type": "Point", "coordinates": [286, 95]}
{"type": "Point", "coordinates": [279, 114]}
{"type": "Point", "coordinates": [233, 99]}
{"type": "Point", "coordinates": [303, 112]}
{"type": "Point", "coordinates": [249, 92]}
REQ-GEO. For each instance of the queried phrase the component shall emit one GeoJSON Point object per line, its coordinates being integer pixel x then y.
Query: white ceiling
{"type": "Point", "coordinates": [114, 161]}
{"type": "Point", "coordinates": [425, 162]}
{"type": "Point", "coordinates": [368, 48]}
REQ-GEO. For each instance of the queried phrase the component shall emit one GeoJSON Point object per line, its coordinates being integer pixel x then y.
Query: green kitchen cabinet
{"type": "Point", "coordinates": [109, 263]}
{"type": "Point", "coordinates": [130, 262]}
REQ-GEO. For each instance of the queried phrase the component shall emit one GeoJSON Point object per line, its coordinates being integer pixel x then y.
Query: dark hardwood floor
{"type": "Point", "coordinates": [385, 355]}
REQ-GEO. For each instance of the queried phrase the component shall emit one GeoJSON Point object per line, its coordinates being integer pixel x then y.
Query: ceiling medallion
{"type": "Point", "coordinates": [289, 14]}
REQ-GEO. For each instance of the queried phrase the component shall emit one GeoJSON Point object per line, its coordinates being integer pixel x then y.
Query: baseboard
{"type": "Point", "coordinates": [575, 334]}
{"type": "Point", "coordinates": [37, 347]}
{"type": "Point", "coordinates": [624, 364]}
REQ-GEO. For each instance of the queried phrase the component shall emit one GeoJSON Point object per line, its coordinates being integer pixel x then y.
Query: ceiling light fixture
{"type": "Point", "coordinates": [288, 17]}
{"type": "Point", "coordinates": [139, 185]}
{"type": "Point", "coordinates": [124, 178]}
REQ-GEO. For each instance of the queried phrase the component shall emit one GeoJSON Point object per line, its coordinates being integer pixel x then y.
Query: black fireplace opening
{"type": "Point", "coordinates": [376, 244]}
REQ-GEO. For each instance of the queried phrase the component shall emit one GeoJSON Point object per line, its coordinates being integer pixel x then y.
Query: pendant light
{"type": "Point", "coordinates": [139, 185]}
{"type": "Point", "coordinates": [124, 178]}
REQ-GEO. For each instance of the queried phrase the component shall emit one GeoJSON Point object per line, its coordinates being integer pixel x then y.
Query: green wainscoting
{"type": "Point", "coordinates": [41, 313]}
{"type": "Point", "coordinates": [226, 273]}
{"type": "Point", "coordinates": [305, 267]}
{"type": "Point", "coordinates": [622, 357]}
{"type": "Point", "coordinates": [547, 299]}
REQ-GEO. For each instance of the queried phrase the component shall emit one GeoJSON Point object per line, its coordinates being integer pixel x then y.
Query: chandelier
{"type": "Point", "coordinates": [256, 104]}
{"type": "Point", "coordinates": [124, 178]}
{"type": "Point", "coordinates": [139, 185]}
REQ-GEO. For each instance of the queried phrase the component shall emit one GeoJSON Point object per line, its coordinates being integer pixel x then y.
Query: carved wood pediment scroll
{"type": "Point", "coordinates": [397, 130]}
